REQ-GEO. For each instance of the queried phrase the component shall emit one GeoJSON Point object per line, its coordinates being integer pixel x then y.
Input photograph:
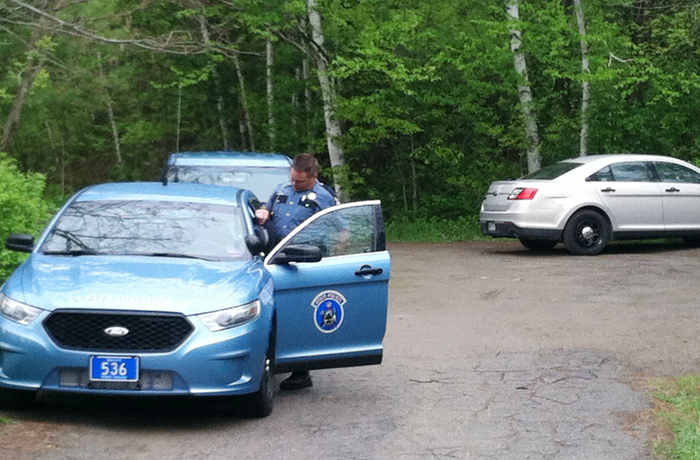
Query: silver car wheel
{"type": "Point", "coordinates": [586, 233]}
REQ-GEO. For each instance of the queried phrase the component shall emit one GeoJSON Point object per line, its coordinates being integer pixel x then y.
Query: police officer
{"type": "Point", "coordinates": [290, 205]}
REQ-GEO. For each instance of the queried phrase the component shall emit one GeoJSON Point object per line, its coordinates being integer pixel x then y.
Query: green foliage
{"type": "Point", "coordinates": [427, 92]}
{"type": "Point", "coordinates": [434, 230]}
{"type": "Point", "coordinates": [22, 206]}
{"type": "Point", "coordinates": [681, 414]}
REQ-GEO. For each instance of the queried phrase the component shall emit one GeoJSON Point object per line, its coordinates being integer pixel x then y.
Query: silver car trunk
{"type": "Point", "coordinates": [496, 198]}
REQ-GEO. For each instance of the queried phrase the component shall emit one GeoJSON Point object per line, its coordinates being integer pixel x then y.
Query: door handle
{"type": "Point", "coordinates": [606, 190]}
{"type": "Point", "coordinates": [366, 270]}
{"type": "Point", "coordinates": [672, 189]}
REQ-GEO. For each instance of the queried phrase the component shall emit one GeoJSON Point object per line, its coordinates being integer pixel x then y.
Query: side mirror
{"type": "Point", "coordinates": [258, 241]}
{"type": "Point", "coordinates": [20, 242]}
{"type": "Point", "coordinates": [297, 253]}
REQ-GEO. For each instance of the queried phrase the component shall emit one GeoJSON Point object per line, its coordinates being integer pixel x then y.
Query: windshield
{"type": "Point", "coordinates": [553, 171]}
{"type": "Point", "coordinates": [150, 228]}
{"type": "Point", "coordinates": [262, 181]}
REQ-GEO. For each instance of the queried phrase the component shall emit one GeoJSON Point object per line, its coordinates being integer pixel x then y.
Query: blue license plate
{"type": "Point", "coordinates": [114, 368]}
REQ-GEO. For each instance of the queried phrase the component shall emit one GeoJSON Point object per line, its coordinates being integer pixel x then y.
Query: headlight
{"type": "Point", "coordinates": [16, 311]}
{"type": "Point", "coordinates": [231, 317]}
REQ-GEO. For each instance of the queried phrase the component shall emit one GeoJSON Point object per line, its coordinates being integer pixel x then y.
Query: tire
{"type": "Point", "coordinates": [693, 241]}
{"type": "Point", "coordinates": [261, 403]}
{"type": "Point", "coordinates": [538, 245]}
{"type": "Point", "coordinates": [587, 233]}
{"type": "Point", "coordinates": [16, 399]}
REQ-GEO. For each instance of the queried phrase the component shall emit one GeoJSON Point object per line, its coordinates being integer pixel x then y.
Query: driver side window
{"type": "Point", "coordinates": [347, 230]}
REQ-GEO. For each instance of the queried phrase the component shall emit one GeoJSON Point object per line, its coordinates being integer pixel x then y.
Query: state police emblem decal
{"type": "Point", "coordinates": [328, 311]}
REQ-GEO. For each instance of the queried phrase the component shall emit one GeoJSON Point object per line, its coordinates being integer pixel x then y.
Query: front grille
{"type": "Point", "coordinates": [155, 332]}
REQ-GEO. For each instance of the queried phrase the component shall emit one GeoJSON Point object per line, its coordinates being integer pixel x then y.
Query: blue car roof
{"type": "Point", "coordinates": [227, 158]}
{"type": "Point", "coordinates": [156, 191]}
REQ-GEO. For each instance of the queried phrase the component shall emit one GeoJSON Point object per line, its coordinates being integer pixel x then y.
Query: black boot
{"type": "Point", "coordinates": [297, 381]}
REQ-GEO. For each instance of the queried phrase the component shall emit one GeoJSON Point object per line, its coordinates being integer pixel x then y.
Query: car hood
{"type": "Point", "coordinates": [135, 283]}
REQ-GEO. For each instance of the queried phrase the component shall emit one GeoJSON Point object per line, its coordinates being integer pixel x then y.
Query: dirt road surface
{"type": "Point", "coordinates": [492, 352]}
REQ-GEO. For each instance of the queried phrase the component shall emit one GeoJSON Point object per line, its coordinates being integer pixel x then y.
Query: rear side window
{"type": "Point", "coordinates": [671, 172]}
{"type": "Point", "coordinates": [629, 171]}
{"type": "Point", "coordinates": [553, 171]}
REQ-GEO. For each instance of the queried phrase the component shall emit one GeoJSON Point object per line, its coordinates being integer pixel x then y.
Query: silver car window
{"type": "Point", "coordinates": [671, 172]}
{"type": "Point", "coordinates": [604, 175]}
{"type": "Point", "coordinates": [631, 171]}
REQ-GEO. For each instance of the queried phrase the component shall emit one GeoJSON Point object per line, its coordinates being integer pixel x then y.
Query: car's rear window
{"type": "Point", "coordinates": [553, 171]}
{"type": "Point", "coordinates": [262, 181]}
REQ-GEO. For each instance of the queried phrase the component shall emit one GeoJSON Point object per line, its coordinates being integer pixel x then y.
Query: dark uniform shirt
{"type": "Point", "coordinates": [289, 208]}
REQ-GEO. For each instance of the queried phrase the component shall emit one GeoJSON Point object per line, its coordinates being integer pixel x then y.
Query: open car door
{"type": "Point", "coordinates": [331, 279]}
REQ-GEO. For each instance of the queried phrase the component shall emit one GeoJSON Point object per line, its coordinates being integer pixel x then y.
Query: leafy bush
{"type": "Point", "coordinates": [22, 208]}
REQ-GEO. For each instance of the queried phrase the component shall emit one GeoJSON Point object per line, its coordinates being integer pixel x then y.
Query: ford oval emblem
{"type": "Point", "coordinates": [116, 331]}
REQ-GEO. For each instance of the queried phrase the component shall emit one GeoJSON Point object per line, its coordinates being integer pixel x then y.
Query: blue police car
{"type": "Point", "coordinates": [259, 172]}
{"type": "Point", "coordinates": [153, 289]}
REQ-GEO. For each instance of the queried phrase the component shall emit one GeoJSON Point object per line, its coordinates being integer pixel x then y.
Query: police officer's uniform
{"type": "Point", "coordinates": [289, 208]}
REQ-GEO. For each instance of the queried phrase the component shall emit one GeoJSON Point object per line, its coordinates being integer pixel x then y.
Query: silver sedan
{"type": "Point", "coordinates": [586, 202]}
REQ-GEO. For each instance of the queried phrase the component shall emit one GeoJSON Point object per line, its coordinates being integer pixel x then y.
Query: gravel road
{"type": "Point", "coordinates": [492, 352]}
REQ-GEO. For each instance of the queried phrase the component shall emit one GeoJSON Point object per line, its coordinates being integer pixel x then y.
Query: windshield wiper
{"type": "Point", "coordinates": [175, 255]}
{"type": "Point", "coordinates": [74, 252]}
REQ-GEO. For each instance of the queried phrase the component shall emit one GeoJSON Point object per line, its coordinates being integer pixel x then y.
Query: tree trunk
{"type": "Point", "coordinates": [179, 116]}
{"type": "Point", "coordinates": [333, 130]}
{"type": "Point", "coordinates": [29, 74]}
{"type": "Point", "coordinates": [414, 180]}
{"type": "Point", "coordinates": [306, 73]}
{"type": "Point", "coordinates": [110, 111]}
{"type": "Point", "coordinates": [524, 92]}
{"type": "Point", "coordinates": [244, 103]}
{"type": "Point", "coordinates": [585, 70]}
{"type": "Point", "coordinates": [241, 128]}
{"type": "Point", "coordinates": [59, 155]}
{"type": "Point", "coordinates": [12, 123]}
{"type": "Point", "coordinates": [269, 52]}
{"type": "Point", "coordinates": [204, 29]}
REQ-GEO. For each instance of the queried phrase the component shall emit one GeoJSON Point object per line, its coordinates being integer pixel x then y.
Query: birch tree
{"type": "Point", "coordinates": [248, 127]}
{"type": "Point", "coordinates": [585, 70]}
{"type": "Point", "coordinates": [524, 92]}
{"type": "Point", "coordinates": [270, 63]}
{"type": "Point", "coordinates": [333, 129]}
{"type": "Point", "coordinates": [204, 28]}
{"type": "Point", "coordinates": [110, 110]}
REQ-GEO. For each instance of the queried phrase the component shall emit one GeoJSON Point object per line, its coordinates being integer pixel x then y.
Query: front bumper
{"type": "Point", "coordinates": [510, 230]}
{"type": "Point", "coordinates": [219, 363]}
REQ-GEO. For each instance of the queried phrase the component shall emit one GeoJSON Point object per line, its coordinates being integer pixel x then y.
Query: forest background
{"type": "Point", "coordinates": [420, 104]}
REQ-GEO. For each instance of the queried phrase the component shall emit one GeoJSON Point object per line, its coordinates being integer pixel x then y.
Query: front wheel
{"type": "Point", "coordinates": [260, 403]}
{"type": "Point", "coordinates": [587, 233]}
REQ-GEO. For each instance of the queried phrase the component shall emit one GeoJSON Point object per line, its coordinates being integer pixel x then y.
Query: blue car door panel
{"type": "Point", "coordinates": [333, 313]}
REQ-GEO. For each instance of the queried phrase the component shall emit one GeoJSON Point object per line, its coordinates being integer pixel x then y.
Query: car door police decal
{"type": "Point", "coordinates": [328, 310]}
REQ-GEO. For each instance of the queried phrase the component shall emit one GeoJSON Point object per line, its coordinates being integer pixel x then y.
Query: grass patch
{"type": "Point", "coordinates": [4, 421]}
{"type": "Point", "coordinates": [679, 410]}
{"type": "Point", "coordinates": [435, 230]}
